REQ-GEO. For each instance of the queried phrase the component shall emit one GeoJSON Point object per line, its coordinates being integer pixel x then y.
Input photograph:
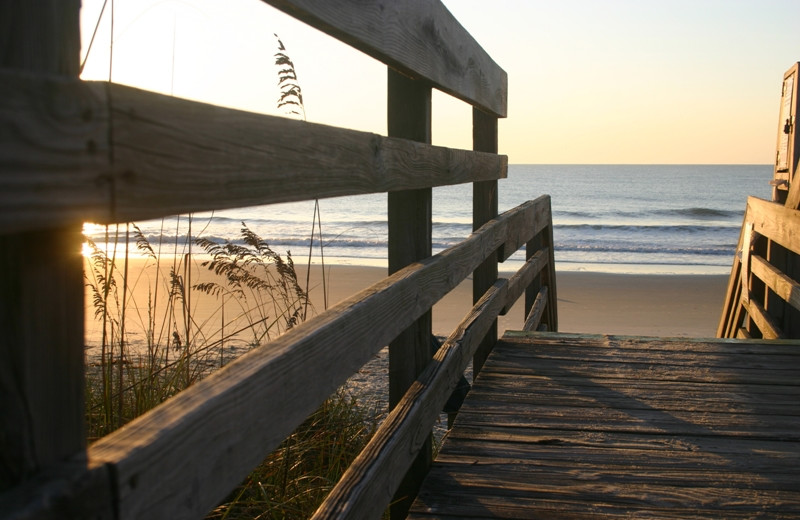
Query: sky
{"type": "Point", "coordinates": [590, 81]}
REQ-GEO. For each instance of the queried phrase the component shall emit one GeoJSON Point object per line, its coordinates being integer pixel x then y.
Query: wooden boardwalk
{"type": "Point", "coordinates": [571, 426]}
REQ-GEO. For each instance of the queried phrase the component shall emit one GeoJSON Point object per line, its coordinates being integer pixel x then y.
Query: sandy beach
{"type": "Point", "coordinates": [653, 305]}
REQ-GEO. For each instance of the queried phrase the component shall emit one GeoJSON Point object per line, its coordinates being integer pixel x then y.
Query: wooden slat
{"type": "Point", "coordinates": [172, 156]}
{"type": "Point", "coordinates": [546, 432]}
{"type": "Point", "coordinates": [782, 285]}
{"type": "Point", "coordinates": [537, 310]}
{"type": "Point", "coordinates": [535, 221]}
{"type": "Point", "coordinates": [421, 39]}
{"type": "Point", "coordinates": [775, 222]}
{"type": "Point", "coordinates": [152, 455]}
{"type": "Point", "coordinates": [520, 280]}
{"type": "Point", "coordinates": [365, 489]}
{"type": "Point", "coordinates": [765, 323]}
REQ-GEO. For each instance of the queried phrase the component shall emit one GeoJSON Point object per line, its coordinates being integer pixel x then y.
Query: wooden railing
{"type": "Point", "coordinates": [74, 151]}
{"type": "Point", "coordinates": [763, 299]}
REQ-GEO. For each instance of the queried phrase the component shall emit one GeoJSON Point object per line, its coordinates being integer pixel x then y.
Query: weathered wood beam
{"type": "Point", "coordinates": [269, 391]}
{"type": "Point", "coordinates": [537, 310]}
{"type": "Point", "coordinates": [41, 274]}
{"type": "Point", "coordinates": [484, 208]}
{"type": "Point", "coordinates": [421, 39]}
{"type": "Point", "coordinates": [520, 280]}
{"type": "Point", "coordinates": [730, 307]}
{"type": "Point", "coordinates": [786, 288]}
{"type": "Point", "coordinates": [765, 323]}
{"type": "Point", "coordinates": [169, 156]}
{"type": "Point", "coordinates": [776, 222]}
{"type": "Point", "coordinates": [365, 489]}
{"type": "Point", "coordinates": [410, 229]}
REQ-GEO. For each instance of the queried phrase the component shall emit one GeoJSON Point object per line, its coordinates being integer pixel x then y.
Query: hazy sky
{"type": "Point", "coordinates": [590, 81]}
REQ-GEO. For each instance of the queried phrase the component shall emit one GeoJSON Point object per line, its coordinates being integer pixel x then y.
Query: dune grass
{"type": "Point", "coordinates": [257, 296]}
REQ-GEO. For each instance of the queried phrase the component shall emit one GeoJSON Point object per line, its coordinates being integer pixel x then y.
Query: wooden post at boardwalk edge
{"type": "Point", "coordinates": [41, 281]}
{"type": "Point", "coordinates": [484, 208]}
{"type": "Point", "coordinates": [409, 117]}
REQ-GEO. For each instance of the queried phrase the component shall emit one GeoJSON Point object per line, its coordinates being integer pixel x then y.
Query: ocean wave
{"type": "Point", "coordinates": [692, 213]}
{"type": "Point", "coordinates": [647, 228]}
{"type": "Point", "coordinates": [660, 249]}
{"type": "Point", "coordinates": [699, 213]}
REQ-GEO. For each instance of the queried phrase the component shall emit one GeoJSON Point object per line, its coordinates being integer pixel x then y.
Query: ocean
{"type": "Point", "coordinates": [648, 219]}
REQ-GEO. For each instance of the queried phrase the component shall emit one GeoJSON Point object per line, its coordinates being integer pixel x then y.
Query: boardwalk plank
{"type": "Point", "coordinates": [571, 426]}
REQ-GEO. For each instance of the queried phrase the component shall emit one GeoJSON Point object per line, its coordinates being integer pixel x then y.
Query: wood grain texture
{"type": "Point", "coordinates": [534, 317]}
{"type": "Point", "coordinates": [484, 208]}
{"type": "Point", "coordinates": [419, 38]}
{"type": "Point", "coordinates": [41, 272]}
{"type": "Point", "coordinates": [366, 488]}
{"type": "Point", "coordinates": [269, 391]}
{"type": "Point", "coordinates": [761, 318]}
{"type": "Point", "coordinates": [775, 222]}
{"type": "Point", "coordinates": [730, 307]}
{"type": "Point", "coordinates": [173, 156]}
{"type": "Point", "coordinates": [779, 283]}
{"type": "Point", "coordinates": [520, 280]}
{"type": "Point", "coordinates": [536, 219]}
{"type": "Point", "coordinates": [575, 426]}
{"type": "Point", "coordinates": [409, 236]}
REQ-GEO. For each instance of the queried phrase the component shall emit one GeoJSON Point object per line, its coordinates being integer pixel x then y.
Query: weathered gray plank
{"type": "Point", "coordinates": [780, 284]}
{"type": "Point", "coordinates": [152, 455]}
{"type": "Point", "coordinates": [537, 310]}
{"type": "Point", "coordinates": [535, 221]}
{"type": "Point", "coordinates": [775, 222]}
{"type": "Point", "coordinates": [520, 280]}
{"type": "Point", "coordinates": [421, 39]}
{"type": "Point", "coordinates": [366, 487]}
{"type": "Point", "coordinates": [782, 347]}
{"type": "Point", "coordinates": [546, 433]}
{"type": "Point", "coordinates": [172, 156]}
{"type": "Point", "coordinates": [762, 319]}
{"type": "Point", "coordinates": [717, 449]}
{"type": "Point", "coordinates": [484, 208]}
{"type": "Point", "coordinates": [41, 282]}
{"type": "Point", "coordinates": [410, 227]}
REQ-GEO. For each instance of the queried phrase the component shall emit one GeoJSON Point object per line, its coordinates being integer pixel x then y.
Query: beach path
{"type": "Point", "coordinates": [576, 426]}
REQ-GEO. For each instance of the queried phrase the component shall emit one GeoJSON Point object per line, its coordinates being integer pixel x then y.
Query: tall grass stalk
{"type": "Point", "coordinates": [134, 376]}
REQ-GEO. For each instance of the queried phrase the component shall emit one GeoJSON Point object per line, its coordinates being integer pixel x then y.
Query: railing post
{"type": "Point", "coordinates": [409, 117]}
{"type": "Point", "coordinates": [484, 208]}
{"type": "Point", "coordinates": [41, 281]}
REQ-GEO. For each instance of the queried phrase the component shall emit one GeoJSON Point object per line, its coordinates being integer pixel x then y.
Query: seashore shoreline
{"type": "Point", "coordinates": [685, 305]}
{"type": "Point", "coordinates": [588, 302]}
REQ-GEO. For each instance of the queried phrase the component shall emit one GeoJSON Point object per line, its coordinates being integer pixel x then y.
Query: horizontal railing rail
{"type": "Point", "coordinates": [763, 298]}
{"type": "Point", "coordinates": [75, 151]}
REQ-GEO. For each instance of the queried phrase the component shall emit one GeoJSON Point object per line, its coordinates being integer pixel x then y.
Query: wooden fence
{"type": "Point", "coordinates": [763, 299]}
{"type": "Point", "coordinates": [73, 151]}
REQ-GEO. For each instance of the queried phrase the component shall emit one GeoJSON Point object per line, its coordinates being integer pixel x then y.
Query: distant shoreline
{"type": "Point", "coordinates": [594, 303]}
